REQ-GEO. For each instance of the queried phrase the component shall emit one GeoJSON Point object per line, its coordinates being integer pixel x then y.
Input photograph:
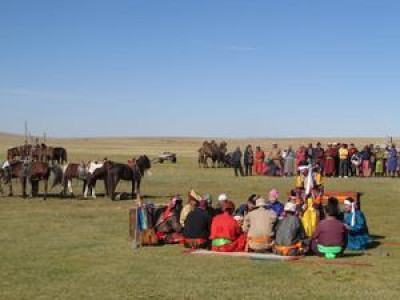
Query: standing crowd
{"type": "Point", "coordinates": [337, 160]}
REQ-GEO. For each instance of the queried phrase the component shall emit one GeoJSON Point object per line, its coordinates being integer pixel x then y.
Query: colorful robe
{"type": "Point", "coordinates": [357, 236]}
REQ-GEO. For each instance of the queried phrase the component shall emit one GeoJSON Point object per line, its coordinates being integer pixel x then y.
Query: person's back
{"type": "Point", "coordinates": [197, 224]}
{"type": "Point", "coordinates": [224, 226]}
{"type": "Point", "coordinates": [259, 225]}
{"type": "Point", "coordinates": [330, 233]}
{"type": "Point", "coordinates": [289, 231]}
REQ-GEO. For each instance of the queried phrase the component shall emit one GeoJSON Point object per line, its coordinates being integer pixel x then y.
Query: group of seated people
{"type": "Point", "coordinates": [298, 227]}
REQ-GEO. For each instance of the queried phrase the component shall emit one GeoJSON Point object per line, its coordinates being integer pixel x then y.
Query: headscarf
{"type": "Point", "coordinates": [353, 211]}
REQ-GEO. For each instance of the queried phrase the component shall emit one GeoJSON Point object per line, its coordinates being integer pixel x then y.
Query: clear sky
{"type": "Point", "coordinates": [200, 68]}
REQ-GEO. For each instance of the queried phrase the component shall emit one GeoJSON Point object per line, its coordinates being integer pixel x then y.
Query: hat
{"type": "Point", "coordinates": [291, 207]}
{"type": "Point", "coordinates": [261, 202]}
{"type": "Point", "coordinates": [223, 197]}
{"type": "Point", "coordinates": [273, 193]}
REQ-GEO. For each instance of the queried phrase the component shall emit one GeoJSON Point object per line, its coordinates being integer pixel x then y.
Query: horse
{"type": "Point", "coordinates": [64, 174]}
{"type": "Point", "coordinates": [32, 171]}
{"type": "Point", "coordinates": [133, 171]}
{"type": "Point", "coordinates": [59, 155]}
{"type": "Point", "coordinates": [97, 171]}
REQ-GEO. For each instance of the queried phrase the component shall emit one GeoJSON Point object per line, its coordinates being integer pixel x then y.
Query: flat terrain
{"type": "Point", "coordinates": [75, 249]}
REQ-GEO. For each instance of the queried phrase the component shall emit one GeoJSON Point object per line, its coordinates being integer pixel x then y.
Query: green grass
{"type": "Point", "coordinates": [74, 249]}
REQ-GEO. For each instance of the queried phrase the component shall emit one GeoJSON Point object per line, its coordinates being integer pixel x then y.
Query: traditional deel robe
{"type": "Point", "coordinates": [259, 225]}
{"type": "Point", "coordinates": [380, 155]}
{"type": "Point", "coordinates": [301, 157]}
{"type": "Point", "coordinates": [330, 162]}
{"type": "Point", "coordinates": [309, 219]}
{"type": "Point", "coordinates": [259, 164]}
{"type": "Point", "coordinates": [357, 236]}
{"type": "Point", "coordinates": [197, 229]}
{"type": "Point", "coordinates": [289, 236]}
{"type": "Point", "coordinates": [290, 162]}
{"type": "Point", "coordinates": [226, 234]}
{"type": "Point", "coordinates": [392, 160]}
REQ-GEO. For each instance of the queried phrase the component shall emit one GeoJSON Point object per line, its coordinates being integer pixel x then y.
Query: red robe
{"type": "Point", "coordinates": [259, 166]}
{"type": "Point", "coordinates": [224, 226]}
{"type": "Point", "coordinates": [301, 157]}
{"type": "Point", "coordinates": [330, 162]}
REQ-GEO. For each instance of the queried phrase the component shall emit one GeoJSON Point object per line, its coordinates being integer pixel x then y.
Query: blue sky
{"type": "Point", "coordinates": [200, 68]}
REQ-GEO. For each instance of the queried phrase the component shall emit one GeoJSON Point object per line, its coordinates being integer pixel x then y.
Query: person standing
{"type": "Point", "coordinates": [248, 158]}
{"type": "Point", "coordinates": [237, 162]}
{"type": "Point", "coordinates": [289, 157]}
{"type": "Point", "coordinates": [319, 156]}
{"type": "Point", "coordinates": [260, 156]}
{"type": "Point", "coordinates": [352, 151]}
{"type": "Point", "coordinates": [344, 161]}
{"type": "Point", "coordinates": [301, 157]}
{"type": "Point", "coordinates": [330, 165]}
{"type": "Point", "coordinates": [379, 164]}
{"type": "Point", "coordinates": [310, 153]}
{"type": "Point", "coordinates": [275, 155]}
{"type": "Point", "coordinates": [366, 156]}
{"type": "Point", "coordinates": [392, 161]}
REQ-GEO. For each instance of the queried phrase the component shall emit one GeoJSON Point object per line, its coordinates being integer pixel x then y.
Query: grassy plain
{"type": "Point", "coordinates": [74, 249]}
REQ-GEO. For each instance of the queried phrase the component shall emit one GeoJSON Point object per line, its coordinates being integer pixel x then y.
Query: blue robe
{"type": "Point", "coordinates": [357, 236]}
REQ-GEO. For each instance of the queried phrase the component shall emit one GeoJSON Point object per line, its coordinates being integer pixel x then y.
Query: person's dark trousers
{"type": "Point", "coordinates": [238, 167]}
{"type": "Point", "coordinates": [248, 170]}
{"type": "Point", "coordinates": [343, 167]}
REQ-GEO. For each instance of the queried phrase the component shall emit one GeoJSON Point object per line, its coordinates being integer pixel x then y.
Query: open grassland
{"type": "Point", "coordinates": [74, 249]}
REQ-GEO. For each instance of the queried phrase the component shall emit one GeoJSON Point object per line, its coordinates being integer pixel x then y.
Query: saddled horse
{"type": "Point", "coordinates": [66, 173]}
{"type": "Point", "coordinates": [32, 171]}
{"type": "Point", "coordinates": [133, 171]}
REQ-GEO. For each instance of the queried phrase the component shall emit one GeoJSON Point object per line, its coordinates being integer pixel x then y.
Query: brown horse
{"type": "Point", "coordinates": [133, 171]}
{"type": "Point", "coordinates": [97, 171]}
{"type": "Point", "coordinates": [64, 174]}
{"type": "Point", "coordinates": [32, 171]}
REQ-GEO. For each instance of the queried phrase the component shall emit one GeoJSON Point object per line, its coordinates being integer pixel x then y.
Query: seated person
{"type": "Point", "coordinates": [259, 226]}
{"type": "Point", "coordinates": [210, 209]}
{"type": "Point", "coordinates": [356, 225]}
{"type": "Point", "coordinates": [197, 227]}
{"type": "Point", "coordinates": [193, 202]}
{"type": "Point", "coordinates": [226, 234]}
{"type": "Point", "coordinates": [274, 204]}
{"type": "Point", "coordinates": [247, 207]}
{"type": "Point", "coordinates": [222, 199]}
{"type": "Point", "coordinates": [289, 233]}
{"type": "Point", "coordinates": [168, 228]}
{"type": "Point", "coordinates": [329, 239]}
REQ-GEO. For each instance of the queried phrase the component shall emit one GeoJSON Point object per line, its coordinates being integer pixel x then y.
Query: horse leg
{"type": "Point", "coordinates": [70, 186]}
{"type": "Point", "coordinates": [46, 184]}
{"type": "Point", "coordinates": [84, 186]}
{"type": "Point", "coordinates": [10, 189]}
{"type": "Point", "coordinates": [23, 186]}
{"type": "Point", "coordinates": [93, 190]}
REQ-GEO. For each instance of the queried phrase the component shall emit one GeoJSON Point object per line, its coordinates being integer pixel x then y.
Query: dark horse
{"type": "Point", "coordinates": [133, 171]}
{"type": "Point", "coordinates": [32, 171]}
{"type": "Point", "coordinates": [97, 171]}
{"type": "Point", "coordinates": [59, 155]}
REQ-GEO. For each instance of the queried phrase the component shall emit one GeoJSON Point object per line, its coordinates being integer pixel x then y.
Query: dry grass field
{"type": "Point", "coordinates": [76, 249]}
